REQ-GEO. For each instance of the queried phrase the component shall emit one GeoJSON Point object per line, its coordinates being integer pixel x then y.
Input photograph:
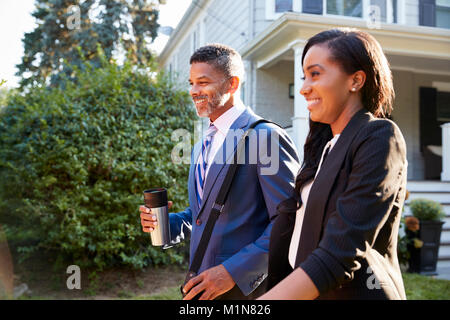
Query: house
{"type": "Point", "coordinates": [270, 36]}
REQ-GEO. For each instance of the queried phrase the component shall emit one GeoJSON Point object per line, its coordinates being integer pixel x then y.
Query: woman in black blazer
{"type": "Point", "coordinates": [337, 238]}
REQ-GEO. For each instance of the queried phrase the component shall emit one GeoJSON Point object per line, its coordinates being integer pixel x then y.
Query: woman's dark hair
{"type": "Point", "coordinates": [352, 50]}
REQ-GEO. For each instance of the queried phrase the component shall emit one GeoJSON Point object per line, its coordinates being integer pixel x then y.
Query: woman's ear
{"type": "Point", "coordinates": [358, 80]}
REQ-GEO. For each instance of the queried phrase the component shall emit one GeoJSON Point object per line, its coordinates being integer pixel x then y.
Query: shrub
{"type": "Point", "coordinates": [424, 209]}
{"type": "Point", "coordinates": [75, 158]}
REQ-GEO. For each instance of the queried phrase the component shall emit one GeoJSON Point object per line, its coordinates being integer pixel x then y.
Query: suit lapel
{"type": "Point", "coordinates": [222, 157]}
{"type": "Point", "coordinates": [321, 188]}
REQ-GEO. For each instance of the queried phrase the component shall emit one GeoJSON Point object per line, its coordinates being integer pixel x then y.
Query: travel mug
{"type": "Point", "coordinates": [156, 200]}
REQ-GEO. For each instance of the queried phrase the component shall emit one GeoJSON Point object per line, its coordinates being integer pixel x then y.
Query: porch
{"type": "Point", "coordinates": [419, 58]}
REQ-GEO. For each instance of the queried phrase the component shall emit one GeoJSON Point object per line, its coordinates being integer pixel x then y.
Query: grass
{"type": "Point", "coordinates": [417, 287]}
{"type": "Point", "coordinates": [172, 293]}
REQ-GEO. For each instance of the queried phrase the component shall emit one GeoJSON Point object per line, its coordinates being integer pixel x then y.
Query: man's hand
{"type": "Point", "coordinates": [213, 282]}
{"type": "Point", "coordinates": [148, 220]}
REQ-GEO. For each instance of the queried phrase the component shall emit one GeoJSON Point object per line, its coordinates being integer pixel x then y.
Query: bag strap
{"type": "Point", "coordinates": [217, 208]}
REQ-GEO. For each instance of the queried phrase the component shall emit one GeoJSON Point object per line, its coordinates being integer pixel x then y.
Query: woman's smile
{"type": "Point", "coordinates": [312, 103]}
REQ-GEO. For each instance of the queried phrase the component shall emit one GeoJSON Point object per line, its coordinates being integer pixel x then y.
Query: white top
{"type": "Point", "coordinates": [293, 248]}
{"type": "Point", "coordinates": [223, 124]}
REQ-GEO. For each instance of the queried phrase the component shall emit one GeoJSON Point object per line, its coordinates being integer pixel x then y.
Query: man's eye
{"type": "Point", "coordinates": [314, 73]}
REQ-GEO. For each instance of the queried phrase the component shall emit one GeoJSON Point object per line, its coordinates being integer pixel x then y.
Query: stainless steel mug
{"type": "Point", "coordinates": [156, 200]}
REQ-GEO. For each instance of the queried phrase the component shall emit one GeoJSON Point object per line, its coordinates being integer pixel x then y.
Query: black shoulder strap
{"type": "Point", "coordinates": [220, 201]}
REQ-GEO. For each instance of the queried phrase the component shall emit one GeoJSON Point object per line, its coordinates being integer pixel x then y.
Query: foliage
{"type": "Point", "coordinates": [424, 209]}
{"type": "Point", "coordinates": [65, 25]}
{"type": "Point", "coordinates": [419, 287]}
{"type": "Point", "coordinates": [402, 246]}
{"type": "Point", "coordinates": [74, 160]}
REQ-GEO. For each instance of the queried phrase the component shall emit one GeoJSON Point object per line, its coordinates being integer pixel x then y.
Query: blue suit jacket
{"type": "Point", "coordinates": [240, 239]}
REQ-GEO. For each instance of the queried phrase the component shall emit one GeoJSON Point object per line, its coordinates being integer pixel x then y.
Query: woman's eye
{"type": "Point", "coordinates": [314, 73]}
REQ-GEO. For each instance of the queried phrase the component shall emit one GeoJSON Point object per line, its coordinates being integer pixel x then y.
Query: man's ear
{"type": "Point", "coordinates": [234, 84]}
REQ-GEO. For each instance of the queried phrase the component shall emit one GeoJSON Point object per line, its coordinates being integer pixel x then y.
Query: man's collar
{"type": "Point", "coordinates": [224, 122]}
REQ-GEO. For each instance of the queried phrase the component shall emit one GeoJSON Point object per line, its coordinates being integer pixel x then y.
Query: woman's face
{"type": "Point", "coordinates": [328, 89]}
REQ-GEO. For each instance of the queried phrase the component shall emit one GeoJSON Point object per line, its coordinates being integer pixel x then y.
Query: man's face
{"type": "Point", "coordinates": [209, 88]}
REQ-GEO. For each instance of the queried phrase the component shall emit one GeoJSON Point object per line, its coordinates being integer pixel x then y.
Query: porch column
{"type": "Point", "coordinates": [300, 121]}
{"type": "Point", "coordinates": [445, 174]}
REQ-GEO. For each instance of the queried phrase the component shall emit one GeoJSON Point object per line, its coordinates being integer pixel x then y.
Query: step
{"type": "Point", "coordinates": [445, 235]}
{"type": "Point", "coordinates": [444, 249]}
{"type": "Point", "coordinates": [442, 197]}
{"type": "Point", "coordinates": [445, 207]}
{"type": "Point", "coordinates": [423, 186]}
{"type": "Point", "coordinates": [443, 263]}
{"type": "Point", "coordinates": [444, 259]}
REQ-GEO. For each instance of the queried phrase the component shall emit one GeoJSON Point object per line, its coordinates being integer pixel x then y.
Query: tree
{"type": "Point", "coordinates": [76, 157]}
{"type": "Point", "coordinates": [69, 32]}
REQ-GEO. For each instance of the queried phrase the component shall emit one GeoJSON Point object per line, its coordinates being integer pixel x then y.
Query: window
{"type": "Point", "coordinates": [443, 14]}
{"type": "Point", "coordinates": [352, 8]}
{"type": "Point", "coordinates": [385, 10]}
{"type": "Point", "coordinates": [434, 13]}
{"type": "Point", "coordinates": [283, 5]}
{"type": "Point", "coordinates": [443, 106]}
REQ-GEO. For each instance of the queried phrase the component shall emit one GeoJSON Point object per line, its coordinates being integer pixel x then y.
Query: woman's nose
{"type": "Point", "coordinates": [305, 89]}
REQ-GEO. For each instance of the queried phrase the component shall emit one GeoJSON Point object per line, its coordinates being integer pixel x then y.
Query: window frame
{"type": "Point", "coordinates": [270, 9]}
{"type": "Point", "coordinates": [297, 6]}
{"type": "Point", "coordinates": [365, 11]}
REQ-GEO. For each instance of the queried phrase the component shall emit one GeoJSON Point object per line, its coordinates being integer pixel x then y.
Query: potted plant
{"type": "Point", "coordinates": [423, 231]}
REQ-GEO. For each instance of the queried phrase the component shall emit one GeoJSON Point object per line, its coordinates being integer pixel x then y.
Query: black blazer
{"type": "Point", "coordinates": [348, 243]}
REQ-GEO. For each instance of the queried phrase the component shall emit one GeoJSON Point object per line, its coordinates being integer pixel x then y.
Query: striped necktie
{"type": "Point", "coordinates": [203, 162]}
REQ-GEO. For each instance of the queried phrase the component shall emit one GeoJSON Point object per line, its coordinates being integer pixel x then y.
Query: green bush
{"type": "Point", "coordinates": [424, 209]}
{"type": "Point", "coordinates": [74, 160]}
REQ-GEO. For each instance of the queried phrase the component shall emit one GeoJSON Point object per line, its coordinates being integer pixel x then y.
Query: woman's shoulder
{"type": "Point", "coordinates": [382, 126]}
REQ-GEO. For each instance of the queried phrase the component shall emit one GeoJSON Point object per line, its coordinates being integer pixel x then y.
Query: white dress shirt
{"type": "Point", "coordinates": [304, 194]}
{"type": "Point", "coordinates": [223, 124]}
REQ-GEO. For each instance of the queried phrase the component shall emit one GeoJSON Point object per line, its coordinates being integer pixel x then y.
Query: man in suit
{"type": "Point", "coordinates": [235, 261]}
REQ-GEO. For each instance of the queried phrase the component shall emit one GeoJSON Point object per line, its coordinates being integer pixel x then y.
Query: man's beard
{"type": "Point", "coordinates": [214, 103]}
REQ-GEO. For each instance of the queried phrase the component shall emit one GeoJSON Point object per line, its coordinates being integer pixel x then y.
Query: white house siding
{"type": "Point", "coordinates": [227, 22]}
{"type": "Point", "coordinates": [183, 53]}
{"type": "Point", "coordinates": [406, 114]}
{"type": "Point", "coordinates": [412, 12]}
{"type": "Point", "coordinates": [272, 93]}
{"type": "Point", "coordinates": [260, 22]}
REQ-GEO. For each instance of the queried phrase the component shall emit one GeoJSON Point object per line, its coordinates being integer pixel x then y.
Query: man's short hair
{"type": "Point", "coordinates": [222, 57]}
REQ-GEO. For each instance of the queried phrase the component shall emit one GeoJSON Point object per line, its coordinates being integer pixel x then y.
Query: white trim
{"type": "Point", "coordinates": [270, 9]}
{"type": "Point", "coordinates": [389, 11]}
{"type": "Point", "coordinates": [401, 12]}
{"type": "Point", "coordinates": [441, 86]}
{"type": "Point", "coordinates": [297, 6]}
{"type": "Point", "coordinates": [421, 71]}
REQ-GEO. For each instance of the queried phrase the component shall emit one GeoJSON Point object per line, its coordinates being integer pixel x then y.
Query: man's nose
{"type": "Point", "coordinates": [194, 90]}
